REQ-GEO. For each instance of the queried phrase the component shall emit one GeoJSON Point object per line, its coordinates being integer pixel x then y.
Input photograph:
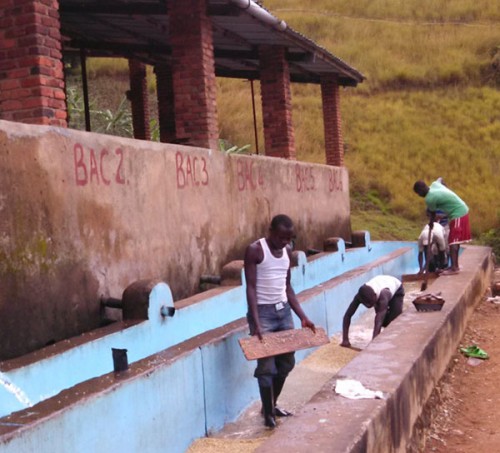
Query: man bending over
{"type": "Point", "coordinates": [385, 294]}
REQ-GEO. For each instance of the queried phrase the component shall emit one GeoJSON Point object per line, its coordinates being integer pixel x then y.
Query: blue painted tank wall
{"type": "Point", "coordinates": [214, 381]}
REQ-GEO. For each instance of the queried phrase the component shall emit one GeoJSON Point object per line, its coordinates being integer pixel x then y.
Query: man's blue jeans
{"type": "Point", "coordinates": [272, 320]}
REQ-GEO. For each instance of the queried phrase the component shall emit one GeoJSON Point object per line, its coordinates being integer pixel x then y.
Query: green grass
{"type": "Point", "coordinates": [408, 10]}
{"type": "Point", "coordinates": [396, 138]}
{"type": "Point", "coordinates": [430, 106]}
{"type": "Point", "coordinates": [395, 53]}
{"type": "Point", "coordinates": [385, 227]}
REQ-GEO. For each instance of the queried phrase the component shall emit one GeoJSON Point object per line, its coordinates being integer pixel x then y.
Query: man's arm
{"type": "Point", "coordinates": [346, 323]}
{"type": "Point", "coordinates": [250, 265]}
{"type": "Point", "coordinates": [421, 249]}
{"type": "Point", "coordinates": [381, 310]}
{"type": "Point", "coordinates": [292, 299]}
{"type": "Point", "coordinates": [432, 219]}
{"type": "Point", "coordinates": [420, 262]}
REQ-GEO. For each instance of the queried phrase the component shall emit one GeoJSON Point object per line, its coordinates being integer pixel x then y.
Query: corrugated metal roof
{"type": "Point", "coordinates": [140, 29]}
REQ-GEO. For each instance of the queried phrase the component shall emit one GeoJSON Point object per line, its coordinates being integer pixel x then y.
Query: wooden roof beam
{"type": "Point", "coordinates": [127, 9]}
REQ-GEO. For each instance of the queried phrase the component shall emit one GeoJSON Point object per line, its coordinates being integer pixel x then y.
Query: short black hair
{"type": "Point", "coordinates": [366, 295]}
{"type": "Point", "coordinates": [281, 219]}
{"type": "Point", "coordinates": [419, 186]}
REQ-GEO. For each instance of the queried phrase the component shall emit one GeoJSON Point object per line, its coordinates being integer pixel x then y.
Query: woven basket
{"type": "Point", "coordinates": [428, 302]}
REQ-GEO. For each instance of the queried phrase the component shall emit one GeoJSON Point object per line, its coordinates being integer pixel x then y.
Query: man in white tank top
{"type": "Point", "coordinates": [385, 294]}
{"type": "Point", "coordinates": [271, 299]}
{"type": "Point", "coordinates": [437, 248]}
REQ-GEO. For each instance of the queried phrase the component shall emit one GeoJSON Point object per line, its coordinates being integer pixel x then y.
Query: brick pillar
{"type": "Point", "coordinates": [193, 68]}
{"type": "Point", "coordinates": [139, 99]}
{"type": "Point", "coordinates": [334, 144]}
{"type": "Point", "coordinates": [276, 103]}
{"type": "Point", "coordinates": [166, 111]}
{"type": "Point", "coordinates": [31, 69]}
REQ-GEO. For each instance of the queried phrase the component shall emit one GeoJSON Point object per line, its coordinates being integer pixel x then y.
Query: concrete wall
{"type": "Point", "coordinates": [58, 367]}
{"type": "Point", "coordinates": [83, 215]}
{"type": "Point", "coordinates": [405, 363]}
{"type": "Point", "coordinates": [168, 399]}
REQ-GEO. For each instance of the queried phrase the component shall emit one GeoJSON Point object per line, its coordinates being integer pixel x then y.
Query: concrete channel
{"type": "Point", "coordinates": [308, 378]}
{"type": "Point", "coordinates": [197, 389]}
{"type": "Point", "coordinates": [405, 362]}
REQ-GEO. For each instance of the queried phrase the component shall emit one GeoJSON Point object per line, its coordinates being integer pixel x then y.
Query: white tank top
{"type": "Point", "coordinates": [381, 282]}
{"type": "Point", "coordinates": [271, 276]}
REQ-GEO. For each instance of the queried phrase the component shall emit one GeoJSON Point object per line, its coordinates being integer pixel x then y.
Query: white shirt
{"type": "Point", "coordinates": [437, 237]}
{"type": "Point", "coordinates": [381, 282]}
{"type": "Point", "coordinates": [271, 276]}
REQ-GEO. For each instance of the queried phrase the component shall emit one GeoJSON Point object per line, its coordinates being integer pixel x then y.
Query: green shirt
{"type": "Point", "coordinates": [441, 198]}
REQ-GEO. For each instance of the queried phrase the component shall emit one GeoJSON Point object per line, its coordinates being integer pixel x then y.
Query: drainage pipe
{"type": "Point", "coordinates": [85, 88]}
{"type": "Point", "coordinates": [260, 13]}
{"type": "Point", "coordinates": [213, 279]}
{"type": "Point", "coordinates": [254, 119]}
{"type": "Point", "coordinates": [111, 302]}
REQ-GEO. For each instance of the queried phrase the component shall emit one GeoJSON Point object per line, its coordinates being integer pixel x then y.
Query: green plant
{"type": "Point", "coordinates": [154, 128]}
{"type": "Point", "coordinates": [116, 122]}
{"type": "Point", "coordinates": [228, 148]}
{"type": "Point", "coordinates": [491, 238]}
{"type": "Point", "coordinates": [76, 110]}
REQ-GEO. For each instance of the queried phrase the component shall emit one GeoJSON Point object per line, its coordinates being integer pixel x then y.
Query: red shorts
{"type": "Point", "coordinates": [459, 230]}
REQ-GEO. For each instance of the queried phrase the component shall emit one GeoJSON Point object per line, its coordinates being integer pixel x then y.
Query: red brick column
{"type": "Point", "coordinates": [31, 69]}
{"type": "Point", "coordinates": [165, 94]}
{"type": "Point", "coordinates": [139, 99]}
{"type": "Point", "coordinates": [193, 68]}
{"type": "Point", "coordinates": [276, 103]}
{"type": "Point", "coordinates": [334, 143]}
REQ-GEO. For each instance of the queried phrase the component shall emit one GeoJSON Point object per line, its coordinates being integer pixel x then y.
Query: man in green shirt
{"type": "Point", "coordinates": [439, 197]}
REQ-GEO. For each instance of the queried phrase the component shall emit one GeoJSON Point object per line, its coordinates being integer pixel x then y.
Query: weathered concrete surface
{"type": "Point", "coordinates": [306, 379]}
{"type": "Point", "coordinates": [405, 363]}
{"type": "Point", "coordinates": [84, 215]}
{"type": "Point", "coordinates": [213, 358]}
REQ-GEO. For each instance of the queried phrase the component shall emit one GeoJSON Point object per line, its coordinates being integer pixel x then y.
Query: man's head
{"type": "Point", "coordinates": [281, 231]}
{"type": "Point", "coordinates": [366, 296]}
{"type": "Point", "coordinates": [420, 188]}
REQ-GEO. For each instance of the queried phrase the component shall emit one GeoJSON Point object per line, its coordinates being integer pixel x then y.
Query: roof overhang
{"type": "Point", "coordinates": [140, 29]}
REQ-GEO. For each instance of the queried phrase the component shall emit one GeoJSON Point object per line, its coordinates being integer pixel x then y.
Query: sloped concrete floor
{"type": "Point", "coordinates": [308, 377]}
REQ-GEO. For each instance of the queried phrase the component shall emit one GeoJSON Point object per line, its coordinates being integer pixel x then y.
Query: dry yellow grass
{"type": "Point", "coordinates": [429, 106]}
{"type": "Point", "coordinates": [209, 445]}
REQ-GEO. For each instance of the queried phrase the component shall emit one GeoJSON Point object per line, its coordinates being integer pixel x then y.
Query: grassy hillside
{"type": "Point", "coordinates": [430, 105]}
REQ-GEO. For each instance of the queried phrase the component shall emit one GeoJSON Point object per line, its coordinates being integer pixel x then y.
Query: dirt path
{"type": "Point", "coordinates": [468, 419]}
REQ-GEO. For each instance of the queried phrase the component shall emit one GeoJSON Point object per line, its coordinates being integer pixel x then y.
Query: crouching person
{"type": "Point", "coordinates": [385, 294]}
